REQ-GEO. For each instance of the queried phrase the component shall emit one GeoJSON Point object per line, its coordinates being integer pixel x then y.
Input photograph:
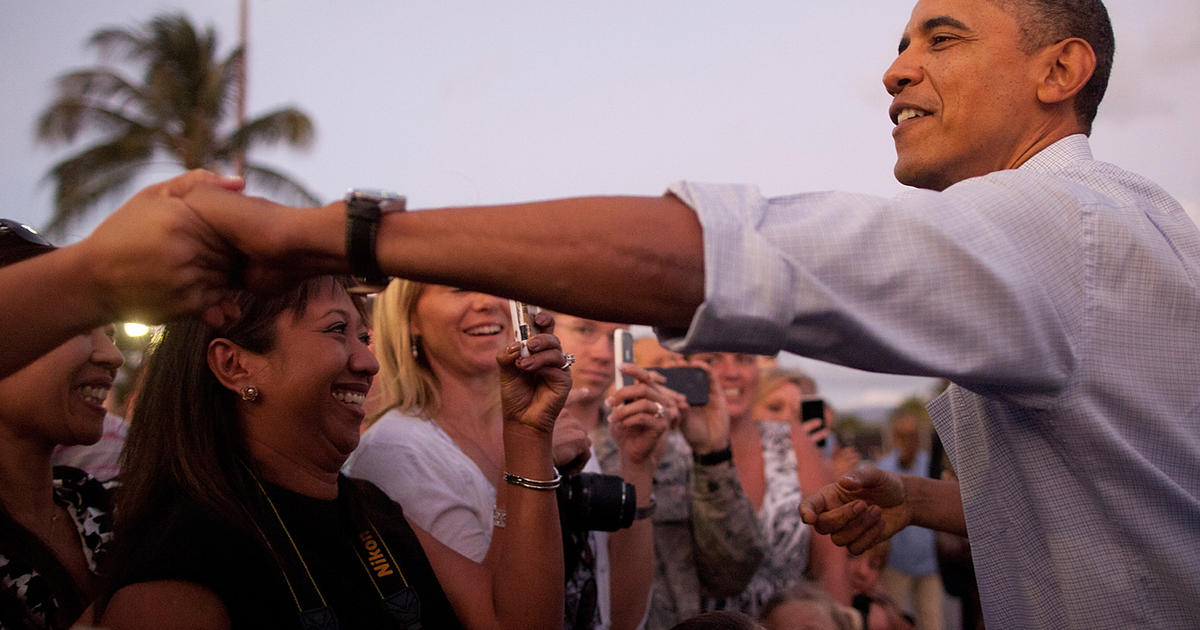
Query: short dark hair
{"type": "Point", "coordinates": [1044, 22]}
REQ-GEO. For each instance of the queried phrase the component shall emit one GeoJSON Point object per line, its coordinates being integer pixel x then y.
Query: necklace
{"type": "Point", "coordinates": [483, 457]}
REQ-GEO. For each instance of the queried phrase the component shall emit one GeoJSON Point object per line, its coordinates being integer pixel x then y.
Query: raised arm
{"type": "Point", "coordinates": [727, 542]}
{"type": "Point", "coordinates": [151, 260]}
{"type": "Point", "coordinates": [641, 414]}
{"type": "Point", "coordinates": [629, 259]}
{"type": "Point", "coordinates": [523, 586]}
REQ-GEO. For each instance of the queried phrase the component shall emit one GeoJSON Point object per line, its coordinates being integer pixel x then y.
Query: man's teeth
{"type": "Point", "coordinates": [908, 113]}
{"type": "Point", "coordinates": [733, 393]}
{"type": "Point", "coordinates": [350, 398]}
{"type": "Point", "coordinates": [93, 393]}
{"type": "Point", "coordinates": [486, 329]}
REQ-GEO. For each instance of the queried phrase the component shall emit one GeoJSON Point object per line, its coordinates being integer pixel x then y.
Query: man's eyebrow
{"type": "Point", "coordinates": [931, 24]}
{"type": "Point", "coordinates": [942, 20]}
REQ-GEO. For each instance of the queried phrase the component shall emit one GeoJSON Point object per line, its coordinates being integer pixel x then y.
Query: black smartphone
{"type": "Point", "coordinates": [814, 410]}
{"type": "Point", "coordinates": [692, 382]}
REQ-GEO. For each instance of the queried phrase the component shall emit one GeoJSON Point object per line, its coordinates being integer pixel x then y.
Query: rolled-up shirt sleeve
{"type": "Point", "coordinates": [925, 283]}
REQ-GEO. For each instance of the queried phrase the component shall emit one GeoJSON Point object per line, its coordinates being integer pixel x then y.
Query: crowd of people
{"type": "Point", "coordinates": [506, 478]}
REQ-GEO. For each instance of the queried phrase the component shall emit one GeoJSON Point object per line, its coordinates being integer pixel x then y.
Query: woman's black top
{"type": "Point", "coordinates": [187, 543]}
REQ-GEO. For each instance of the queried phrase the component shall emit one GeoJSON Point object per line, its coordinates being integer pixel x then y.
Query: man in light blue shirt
{"type": "Point", "coordinates": [911, 576]}
{"type": "Point", "coordinates": [1058, 293]}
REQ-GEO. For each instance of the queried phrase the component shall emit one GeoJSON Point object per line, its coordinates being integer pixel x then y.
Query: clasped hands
{"type": "Point", "coordinates": [179, 247]}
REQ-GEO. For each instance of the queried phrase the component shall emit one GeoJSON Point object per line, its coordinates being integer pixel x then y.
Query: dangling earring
{"type": "Point", "coordinates": [416, 348]}
{"type": "Point", "coordinates": [250, 393]}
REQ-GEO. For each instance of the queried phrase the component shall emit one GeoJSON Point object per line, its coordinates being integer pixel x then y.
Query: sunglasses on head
{"type": "Point", "coordinates": [10, 229]}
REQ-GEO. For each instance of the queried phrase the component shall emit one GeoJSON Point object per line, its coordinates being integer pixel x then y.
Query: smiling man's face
{"type": "Point", "coordinates": [964, 94]}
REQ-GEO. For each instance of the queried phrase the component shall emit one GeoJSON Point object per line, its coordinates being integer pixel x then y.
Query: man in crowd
{"type": "Point", "coordinates": [1057, 293]}
{"type": "Point", "coordinates": [911, 576]}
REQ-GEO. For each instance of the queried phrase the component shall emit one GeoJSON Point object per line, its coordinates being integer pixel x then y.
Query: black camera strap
{"type": "Point", "coordinates": [399, 598]}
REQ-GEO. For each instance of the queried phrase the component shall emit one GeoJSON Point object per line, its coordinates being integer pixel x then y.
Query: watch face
{"type": "Point", "coordinates": [372, 194]}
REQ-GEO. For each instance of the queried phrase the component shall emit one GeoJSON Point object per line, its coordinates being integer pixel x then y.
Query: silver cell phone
{"type": "Point", "coordinates": [522, 324]}
{"type": "Point", "coordinates": [622, 354]}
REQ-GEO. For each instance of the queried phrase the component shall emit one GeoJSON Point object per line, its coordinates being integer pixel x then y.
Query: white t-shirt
{"type": "Point", "coordinates": [443, 491]}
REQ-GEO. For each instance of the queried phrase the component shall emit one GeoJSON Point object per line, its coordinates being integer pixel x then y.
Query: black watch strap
{"type": "Point", "coordinates": [363, 211]}
{"type": "Point", "coordinates": [646, 511]}
{"type": "Point", "coordinates": [713, 458]}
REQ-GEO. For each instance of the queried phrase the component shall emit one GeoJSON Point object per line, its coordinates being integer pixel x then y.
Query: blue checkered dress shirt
{"type": "Point", "coordinates": [1063, 301]}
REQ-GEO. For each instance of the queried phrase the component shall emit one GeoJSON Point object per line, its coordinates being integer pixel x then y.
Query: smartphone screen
{"type": "Point", "coordinates": [520, 324]}
{"type": "Point", "coordinates": [622, 353]}
{"type": "Point", "coordinates": [814, 410]}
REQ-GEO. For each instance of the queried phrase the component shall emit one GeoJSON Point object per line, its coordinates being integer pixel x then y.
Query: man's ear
{"type": "Point", "coordinates": [1068, 67]}
{"type": "Point", "coordinates": [232, 364]}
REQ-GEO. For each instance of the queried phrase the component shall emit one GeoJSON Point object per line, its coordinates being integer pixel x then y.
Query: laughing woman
{"type": "Point", "coordinates": [234, 513]}
{"type": "Point", "coordinates": [54, 523]}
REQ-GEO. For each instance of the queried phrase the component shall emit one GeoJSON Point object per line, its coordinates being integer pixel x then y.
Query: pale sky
{"type": "Point", "coordinates": [474, 102]}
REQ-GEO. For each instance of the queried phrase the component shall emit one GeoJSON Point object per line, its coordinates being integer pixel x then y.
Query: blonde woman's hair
{"type": "Point", "coordinates": [409, 384]}
{"type": "Point", "coordinates": [843, 617]}
{"type": "Point", "coordinates": [774, 378]}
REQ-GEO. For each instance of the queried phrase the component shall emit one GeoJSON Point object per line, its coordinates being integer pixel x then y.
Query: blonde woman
{"type": "Point", "coordinates": [438, 437]}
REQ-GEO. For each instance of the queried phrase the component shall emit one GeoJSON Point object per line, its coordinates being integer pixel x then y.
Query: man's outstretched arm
{"type": "Point", "coordinates": [628, 259]}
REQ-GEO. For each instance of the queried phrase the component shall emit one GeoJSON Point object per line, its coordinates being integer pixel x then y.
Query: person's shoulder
{"type": "Point", "coordinates": [396, 427]}
{"type": "Point", "coordinates": [372, 500]}
{"type": "Point", "coordinates": [186, 542]}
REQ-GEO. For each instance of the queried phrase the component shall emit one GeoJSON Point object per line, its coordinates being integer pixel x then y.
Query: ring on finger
{"type": "Point", "coordinates": [568, 361]}
{"type": "Point", "coordinates": [659, 410]}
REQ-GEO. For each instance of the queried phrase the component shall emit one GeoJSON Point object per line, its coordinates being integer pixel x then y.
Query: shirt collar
{"type": "Point", "coordinates": [1073, 148]}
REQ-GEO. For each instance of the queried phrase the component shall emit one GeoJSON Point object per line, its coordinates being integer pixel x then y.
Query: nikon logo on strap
{"type": "Point", "coordinates": [375, 558]}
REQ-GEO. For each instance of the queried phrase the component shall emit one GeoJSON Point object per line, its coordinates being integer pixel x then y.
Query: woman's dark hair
{"type": "Point", "coordinates": [185, 441]}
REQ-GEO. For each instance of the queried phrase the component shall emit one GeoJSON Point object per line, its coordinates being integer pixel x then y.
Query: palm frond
{"type": "Point", "coordinates": [171, 95]}
{"type": "Point", "coordinates": [64, 119]}
{"type": "Point", "coordinates": [116, 41]}
{"type": "Point", "coordinates": [100, 83]}
{"type": "Point", "coordinates": [284, 189]}
{"type": "Point", "coordinates": [93, 175]}
{"type": "Point", "coordinates": [288, 125]}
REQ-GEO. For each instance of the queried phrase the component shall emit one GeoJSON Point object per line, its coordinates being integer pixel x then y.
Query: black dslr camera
{"type": "Point", "coordinates": [596, 502]}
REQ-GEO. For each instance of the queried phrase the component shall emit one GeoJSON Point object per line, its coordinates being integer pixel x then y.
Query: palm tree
{"type": "Point", "coordinates": [180, 111]}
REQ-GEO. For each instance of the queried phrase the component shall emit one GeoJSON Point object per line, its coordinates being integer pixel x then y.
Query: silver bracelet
{"type": "Point", "coordinates": [534, 484]}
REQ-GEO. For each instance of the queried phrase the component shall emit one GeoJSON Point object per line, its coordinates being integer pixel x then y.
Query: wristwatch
{"type": "Point", "coordinates": [364, 207]}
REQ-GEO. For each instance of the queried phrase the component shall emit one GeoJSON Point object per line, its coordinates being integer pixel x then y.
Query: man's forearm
{"type": "Point", "coordinates": [935, 504]}
{"type": "Point", "coordinates": [637, 260]}
{"type": "Point", "coordinates": [627, 259]}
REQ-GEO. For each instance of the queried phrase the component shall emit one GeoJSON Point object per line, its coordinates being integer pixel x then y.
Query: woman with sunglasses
{"type": "Point", "coordinates": [233, 512]}
{"type": "Point", "coordinates": [55, 524]}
